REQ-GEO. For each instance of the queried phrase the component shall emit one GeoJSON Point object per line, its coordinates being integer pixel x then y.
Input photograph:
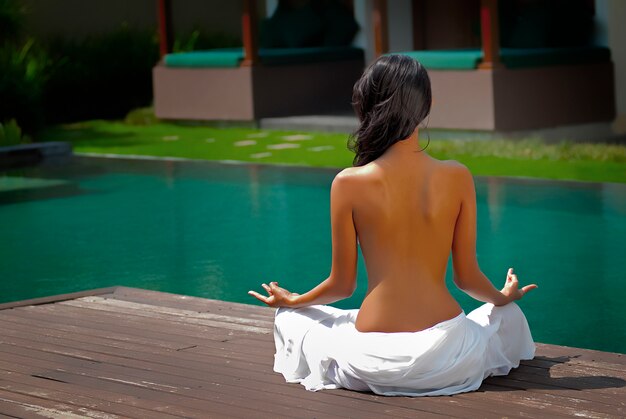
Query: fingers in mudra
{"type": "Point", "coordinates": [259, 296]}
{"type": "Point", "coordinates": [513, 282]}
{"type": "Point", "coordinates": [276, 295]}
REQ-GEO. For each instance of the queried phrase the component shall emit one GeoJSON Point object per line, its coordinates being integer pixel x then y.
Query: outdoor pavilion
{"type": "Point", "coordinates": [488, 88]}
{"type": "Point", "coordinates": [250, 83]}
{"type": "Point", "coordinates": [508, 89]}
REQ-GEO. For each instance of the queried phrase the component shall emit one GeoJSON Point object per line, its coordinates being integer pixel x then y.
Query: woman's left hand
{"type": "Point", "coordinates": [278, 297]}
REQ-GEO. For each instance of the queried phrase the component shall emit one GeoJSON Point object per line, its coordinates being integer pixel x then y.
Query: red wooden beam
{"type": "Point", "coordinates": [489, 32]}
{"type": "Point", "coordinates": [381, 34]}
{"type": "Point", "coordinates": [164, 11]}
{"type": "Point", "coordinates": [249, 21]}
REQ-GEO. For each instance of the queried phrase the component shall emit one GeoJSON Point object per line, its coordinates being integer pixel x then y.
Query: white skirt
{"type": "Point", "coordinates": [319, 347]}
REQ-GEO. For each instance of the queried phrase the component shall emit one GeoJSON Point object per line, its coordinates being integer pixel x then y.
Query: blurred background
{"type": "Point", "coordinates": [189, 146]}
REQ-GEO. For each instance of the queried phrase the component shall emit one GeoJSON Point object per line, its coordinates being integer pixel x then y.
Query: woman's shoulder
{"type": "Point", "coordinates": [453, 168]}
{"type": "Point", "coordinates": [356, 173]}
{"type": "Point", "coordinates": [371, 173]}
{"type": "Point", "coordinates": [353, 181]}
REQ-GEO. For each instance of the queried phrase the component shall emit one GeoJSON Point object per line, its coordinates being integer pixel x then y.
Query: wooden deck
{"type": "Point", "coordinates": [124, 352]}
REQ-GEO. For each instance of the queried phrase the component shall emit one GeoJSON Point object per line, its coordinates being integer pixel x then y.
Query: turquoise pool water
{"type": "Point", "coordinates": [216, 230]}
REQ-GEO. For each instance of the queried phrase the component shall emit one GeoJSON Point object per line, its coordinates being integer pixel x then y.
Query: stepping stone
{"type": "Point", "coordinates": [282, 146]}
{"type": "Point", "coordinates": [260, 155]}
{"type": "Point", "coordinates": [244, 143]}
{"type": "Point", "coordinates": [297, 137]}
{"type": "Point", "coordinates": [257, 135]}
{"type": "Point", "coordinates": [170, 138]}
{"type": "Point", "coordinates": [321, 148]}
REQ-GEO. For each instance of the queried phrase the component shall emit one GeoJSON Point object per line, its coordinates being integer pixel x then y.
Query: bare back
{"type": "Point", "coordinates": [404, 214]}
{"type": "Point", "coordinates": [409, 212]}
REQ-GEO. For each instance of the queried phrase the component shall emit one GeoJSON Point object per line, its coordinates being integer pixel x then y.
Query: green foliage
{"type": "Point", "coordinates": [100, 76]}
{"type": "Point", "coordinates": [11, 19]}
{"type": "Point", "coordinates": [141, 117]}
{"type": "Point", "coordinates": [11, 134]}
{"type": "Point", "coordinates": [106, 76]}
{"type": "Point", "coordinates": [528, 158]}
{"type": "Point", "coordinates": [531, 149]}
{"type": "Point", "coordinates": [24, 72]}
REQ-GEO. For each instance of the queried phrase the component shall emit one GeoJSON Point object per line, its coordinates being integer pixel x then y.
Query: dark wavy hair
{"type": "Point", "coordinates": [391, 99]}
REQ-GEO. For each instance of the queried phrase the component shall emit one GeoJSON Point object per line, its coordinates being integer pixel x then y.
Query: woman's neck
{"type": "Point", "coordinates": [407, 149]}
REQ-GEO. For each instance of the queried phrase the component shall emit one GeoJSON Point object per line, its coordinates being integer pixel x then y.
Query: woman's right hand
{"type": "Point", "coordinates": [511, 287]}
{"type": "Point", "coordinates": [277, 296]}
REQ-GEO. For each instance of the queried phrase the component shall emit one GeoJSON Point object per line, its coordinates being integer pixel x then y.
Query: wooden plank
{"type": "Point", "coordinates": [50, 326]}
{"type": "Point", "coordinates": [104, 345]}
{"type": "Point", "coordinates": [56, 298]}
{"type": "Point", "coordinates": [24, 383]}
{"type": "Point", "coordinates": [246, 370]}
{"type": "Point", "coordinates": [566, 403]}
{"type": "Point", "coordinates": [184, 334]}
{"type": "Point", "coordinates": [196, 303]}
{"type": "Point", "coordinates": [199, 388]}
{"type": "Point", "coordinates": [273, 386]}
{"type": "Point", "coordinates": [563, 372]}
{"type": "Point", "coordinates": [579, 354]}
{"type": "Point", "coordinates": [148, 345]}
{"type": "Point", "coordinates": [546, 362]}
{"type": "Point", "coordinates": [146, 296]}
{"type": "Point", "coordinates": [233, 407]}
{"type": "Point", "coordinates": [75, 347]}
{"type": "Point", "coordinates": [156, 314]}
{"type": "Point", "coordinates": [40, 395]}
{"type": "Point", "coordinates": [88, 356]}
{"type": "Point", "coordinates": [243, 366]}
{"type": "Point", "coordinates": [201, 350]}
{"type": "Point", "coordinates": [176, 314]}
{"type": "Point", "coordinates": [445, 407]}
{"type": "Point", "coordinates": [223, 307]}
{"type": "Point", "coordinates": [22, 406]}
{"type": "Point", "coordinates": [137, 318]}
{"type": "Point", "coordinates": [546, 405]}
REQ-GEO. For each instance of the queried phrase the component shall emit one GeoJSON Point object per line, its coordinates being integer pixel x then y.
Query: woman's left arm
{"type": "Point", "coordinates": [341, 282]}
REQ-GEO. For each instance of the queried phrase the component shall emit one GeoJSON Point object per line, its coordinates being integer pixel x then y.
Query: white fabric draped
{"type": "Point", "coordinates": [319, 347]}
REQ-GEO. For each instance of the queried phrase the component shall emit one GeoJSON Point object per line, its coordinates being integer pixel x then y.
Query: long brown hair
{"type": "Point", "coordinates": [391, 99]}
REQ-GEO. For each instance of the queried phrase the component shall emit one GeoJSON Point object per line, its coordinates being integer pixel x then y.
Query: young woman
{"type": "Point", "coordinates": [408, 212]}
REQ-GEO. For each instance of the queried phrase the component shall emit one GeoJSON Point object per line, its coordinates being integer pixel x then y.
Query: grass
{"type": "Point", "coordinates": [527, 158]}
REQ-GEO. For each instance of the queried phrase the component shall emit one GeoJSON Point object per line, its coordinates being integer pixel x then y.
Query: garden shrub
{"type": "Point", "coordinates": [11, 134]}
{"type": "Point", "coordinates": [94, 77]}
{"type": "Point", "coordinates": [24, 71]}
{"type": "Point", "coordinates": [100, 76]}
{"type": "Point", "coordinates": [106, 76]}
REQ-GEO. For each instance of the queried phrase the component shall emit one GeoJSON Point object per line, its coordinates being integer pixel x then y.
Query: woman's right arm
{"type": "Point", "coordinates": [467, 274]}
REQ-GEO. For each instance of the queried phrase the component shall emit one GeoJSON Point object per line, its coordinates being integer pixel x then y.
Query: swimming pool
{"type": "Point", "coordinates": [216, 230]}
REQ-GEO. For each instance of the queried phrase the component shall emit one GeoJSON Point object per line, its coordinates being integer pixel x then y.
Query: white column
{"type": "Point", "coordinates": [270, 6]}
{"type": "Point", "coordinates": [365, 37]}
{"type": "Point", "coordinates": [400, 24]}
{"type": "Point", "coordinates": [601, 29]}
{"type": "Point", "coordinates": [616, 14]}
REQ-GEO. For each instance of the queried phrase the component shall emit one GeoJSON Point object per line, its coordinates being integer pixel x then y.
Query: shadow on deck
{"type": "Point", "coordinates": [124, 352]}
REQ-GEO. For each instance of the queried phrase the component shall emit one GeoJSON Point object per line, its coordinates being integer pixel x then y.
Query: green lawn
{"type": "Point", "coordinates": [529, 158]}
